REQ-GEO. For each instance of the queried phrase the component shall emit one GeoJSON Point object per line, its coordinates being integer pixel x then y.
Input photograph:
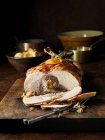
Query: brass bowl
{"type": "Point", "coordinates": [24, 45]}
{"type": "Point", "coordinates": [22, 64]}
{"type": "Point", "coordinates": [78, 38]}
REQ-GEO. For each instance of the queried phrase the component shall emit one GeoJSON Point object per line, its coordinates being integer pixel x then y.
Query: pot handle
{"type": "Point", "coordinates": [97, 42]}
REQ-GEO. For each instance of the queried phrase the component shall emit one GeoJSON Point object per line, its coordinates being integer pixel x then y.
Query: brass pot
{"type": "Point", "coordinates": [82, 54]}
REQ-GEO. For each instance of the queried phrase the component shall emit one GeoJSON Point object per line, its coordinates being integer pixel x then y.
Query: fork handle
{"type": "Point", "coordinates": [36, 119]}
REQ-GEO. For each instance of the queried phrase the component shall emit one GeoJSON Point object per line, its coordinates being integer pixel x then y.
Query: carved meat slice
{"type": "Point", "coordinates": [41, 99]}
{"type": "Point", "coordinates": [57, 97]}
{"type": "Point", "coordinates": [54, 106]}
{"type": "Point", "coordinates": [82, 96]}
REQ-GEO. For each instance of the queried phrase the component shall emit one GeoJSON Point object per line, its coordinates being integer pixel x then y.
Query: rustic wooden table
{"type": "Point", "coordinates": [8, 76]}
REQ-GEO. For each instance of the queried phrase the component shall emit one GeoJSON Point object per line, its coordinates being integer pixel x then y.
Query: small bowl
{"type": "Point", "coordinates": [24, 45]}
{"type": "Point", "coordinates": [22, 64]}
{"type": "Point", "coordinates": [78, 38]}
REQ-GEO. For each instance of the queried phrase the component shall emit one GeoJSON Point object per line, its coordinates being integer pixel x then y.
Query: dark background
{"type": "Point", "coordinates": [46, 18]}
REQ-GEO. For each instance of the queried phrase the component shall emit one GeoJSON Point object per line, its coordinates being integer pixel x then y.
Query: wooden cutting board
{"type": "Point", "coordinates": [12, 107]}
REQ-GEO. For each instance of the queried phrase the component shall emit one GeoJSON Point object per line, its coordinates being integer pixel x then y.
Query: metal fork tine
{"type": "Point", "coordinates": [82, 102]}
